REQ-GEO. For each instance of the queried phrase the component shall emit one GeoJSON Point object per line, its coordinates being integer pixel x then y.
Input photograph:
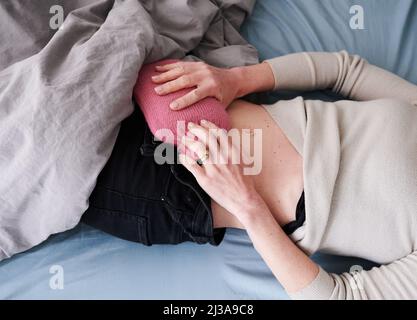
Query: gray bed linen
{"type": "Point", "coordinates": [64, 93]}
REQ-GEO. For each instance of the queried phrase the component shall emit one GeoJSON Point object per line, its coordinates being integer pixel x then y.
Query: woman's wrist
{"type": "Point", "coordinates": [251, 79]}
{"type": "Point", "coordinates": [252, 211]}
{"type": "Point", "coordinates": [238, 80]}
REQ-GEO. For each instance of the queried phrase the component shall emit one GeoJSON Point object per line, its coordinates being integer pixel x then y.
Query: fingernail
{"type": "Point", "coordinates": [158, 89]}
{"type": "Point", "coordinates": [191, 125]}
{"type": "Point", "coordinates": [155, 78]}
{"type": "Point", "coordinates": [203, 121]}
{"type": "Point", "coordinates": [174, 105]}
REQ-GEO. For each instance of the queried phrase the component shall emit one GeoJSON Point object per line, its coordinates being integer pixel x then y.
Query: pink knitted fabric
{"type": "Point", "coordinates": [160, 117]}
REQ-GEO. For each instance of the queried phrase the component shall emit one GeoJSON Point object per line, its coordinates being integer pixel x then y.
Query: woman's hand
{"type": "Point", "coordinates": [208, 82]}
{"type": "Point", "coordinates": [226, 184]}
{"type": "Point", "coordinates": [224, 84]}
{"type": "Point", "coordinates": [221, 174]}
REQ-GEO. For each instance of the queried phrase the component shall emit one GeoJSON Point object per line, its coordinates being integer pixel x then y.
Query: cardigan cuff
{"type": "Point", "coordinates": [321, 288]}
{"type": "Point", "coordinates": [292, 72]}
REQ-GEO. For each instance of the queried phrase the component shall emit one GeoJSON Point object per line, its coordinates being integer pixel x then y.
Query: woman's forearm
{"type": "Point", "coordinates": [292, 267]}
{"type": "Point", "coordinates": [251, 79]}
{"type": "Point", "coordinates": [225, 183]}
{"type": "Point", "coordinates": [348, 75]}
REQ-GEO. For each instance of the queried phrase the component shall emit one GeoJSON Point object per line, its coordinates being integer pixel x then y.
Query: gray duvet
{"type": "Point", "coordinates": [63, 94]}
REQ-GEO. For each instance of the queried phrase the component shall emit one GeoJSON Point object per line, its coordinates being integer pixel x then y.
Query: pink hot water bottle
{"type": "Point", "coordinates": [167, 124]}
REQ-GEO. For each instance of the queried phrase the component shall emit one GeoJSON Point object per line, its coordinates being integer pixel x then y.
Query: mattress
{"type": "Point", "coordinates": [85, 263]}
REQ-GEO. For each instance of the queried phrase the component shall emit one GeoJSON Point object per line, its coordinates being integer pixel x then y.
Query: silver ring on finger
{"type": "Point", "coordinates": [204, 157]}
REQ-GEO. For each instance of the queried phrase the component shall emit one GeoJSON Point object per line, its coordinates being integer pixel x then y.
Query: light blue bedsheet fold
{"type": "Point", "coordinates": [96, 265]}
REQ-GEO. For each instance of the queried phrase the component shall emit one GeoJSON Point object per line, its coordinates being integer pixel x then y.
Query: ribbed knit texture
{"type": "Point", "coordinates": [160, 117]}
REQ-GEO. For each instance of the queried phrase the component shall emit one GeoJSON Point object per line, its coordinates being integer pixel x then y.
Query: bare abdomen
{"type": "Point", "coordinates": [280, 179]}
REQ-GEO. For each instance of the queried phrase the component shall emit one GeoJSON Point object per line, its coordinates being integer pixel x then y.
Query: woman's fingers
{"type": "Point", "coordinates": [202, 91]}
{"type": "Point", "coordinates": [183, 82]}
{"type": "Point", "coordinates": [189, 99]}
{"type": "Point", "coordinates": [207, 136]}
{"type": "Point", "coordinates": [208, 125]}
{"type": "Point", "coordinates": [172, 74]}
{"type": "Point", "coordinates": [167, 67]}
{"type": "Point", "coordinates": [176, 76]}
{"type": "Point", "coordinates": [216, 140]}
{"type": "Point", "coordinates": [222, 137]}
{"type": "Point", "coordinates": [187, 66]}
{"type": "Point", "coordinates": [191, 165]}
{"type": "Point", "coordinates": [197, 147]}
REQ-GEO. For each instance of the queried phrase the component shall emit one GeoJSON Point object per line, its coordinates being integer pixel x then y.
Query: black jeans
{"type": "Point", "coordinates": [139, 200]}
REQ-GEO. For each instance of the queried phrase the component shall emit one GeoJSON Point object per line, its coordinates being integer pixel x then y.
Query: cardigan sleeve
{"type": "Point", "coordinates": [394, 281]}
{"type": "Point", "coordinates": [348, 75]}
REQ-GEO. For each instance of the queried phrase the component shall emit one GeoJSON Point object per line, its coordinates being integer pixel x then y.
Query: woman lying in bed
{"type": "Point", "coordinates": [336, 177]}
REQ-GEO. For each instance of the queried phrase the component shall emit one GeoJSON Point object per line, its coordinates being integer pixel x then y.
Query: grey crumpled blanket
{"type": "Point", "coordinates": [64, 93]}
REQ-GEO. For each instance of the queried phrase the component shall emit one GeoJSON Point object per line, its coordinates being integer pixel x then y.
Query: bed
{"type": "Point", "coordinates": [95, 265]}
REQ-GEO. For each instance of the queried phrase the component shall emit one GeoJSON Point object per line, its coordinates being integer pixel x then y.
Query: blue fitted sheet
{"type": "Point", "coordinates": [99, 266]}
